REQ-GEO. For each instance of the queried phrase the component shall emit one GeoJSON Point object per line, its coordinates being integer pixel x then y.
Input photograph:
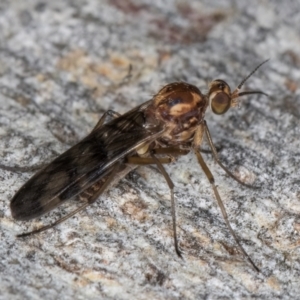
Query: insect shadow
{"type": "Point", "coordinates": [169, 125]}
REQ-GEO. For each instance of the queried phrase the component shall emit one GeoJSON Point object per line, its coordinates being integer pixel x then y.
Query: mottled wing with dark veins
{"type": "Point", "coordinates": [82, 165]}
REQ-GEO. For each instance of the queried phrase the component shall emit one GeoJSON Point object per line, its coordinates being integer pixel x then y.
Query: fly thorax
{"type": "Point", "coordinates": [181, 107]}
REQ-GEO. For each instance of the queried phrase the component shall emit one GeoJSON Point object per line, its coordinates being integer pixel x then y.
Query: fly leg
{"type": "Point", "coordinates": [93, 197]}
{"type": "Point", "coordinates": [215, 155]}
{"type": "Point", "coordinates": [108, 113]}
{"type": "Point", "coordinates": [171, 187]}
{"type": "Point", "coordinates": [172, 151]}
{"type": "Point", "coordinates": [159, 163]}
{"type": "Point", "coordinates": [206, 151]}
{"type": "Point", "coordinates": [221, 205]}
{"type": "Point", "coordinates": [137, 160]}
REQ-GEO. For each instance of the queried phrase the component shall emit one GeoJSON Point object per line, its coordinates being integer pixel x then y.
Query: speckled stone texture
{"type": "Point", "coordinates": [63, 63]}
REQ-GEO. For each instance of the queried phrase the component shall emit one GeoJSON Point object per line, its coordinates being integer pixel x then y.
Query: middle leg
{"type": "Point", "coordinates": [159, 161]}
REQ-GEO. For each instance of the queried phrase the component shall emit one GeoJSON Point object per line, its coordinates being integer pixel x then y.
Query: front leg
{"type": "Point", "coordinates": [211, 180]}
{"type": "Point", "coordinates": [216, 157]}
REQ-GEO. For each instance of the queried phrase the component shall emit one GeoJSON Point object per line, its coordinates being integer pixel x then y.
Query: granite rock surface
{"type": "Point", "coordinates": [64, 63]}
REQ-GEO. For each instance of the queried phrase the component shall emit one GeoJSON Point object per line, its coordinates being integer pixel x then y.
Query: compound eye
{"type": "Point", "coordinates": [220, 103]}
{"type": "Point", "coordinates": [219, 96]}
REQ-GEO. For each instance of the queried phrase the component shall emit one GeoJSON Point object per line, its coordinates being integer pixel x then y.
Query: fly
{"type": "Point", "coordinates": [155, 133]}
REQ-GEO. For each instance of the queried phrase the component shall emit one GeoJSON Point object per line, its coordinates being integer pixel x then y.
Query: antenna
{"type": "Point", "coordinates": [245, 79]}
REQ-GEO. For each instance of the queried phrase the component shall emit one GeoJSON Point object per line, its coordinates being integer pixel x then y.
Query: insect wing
{"type": "Point", "coordinates": [82, 165]}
